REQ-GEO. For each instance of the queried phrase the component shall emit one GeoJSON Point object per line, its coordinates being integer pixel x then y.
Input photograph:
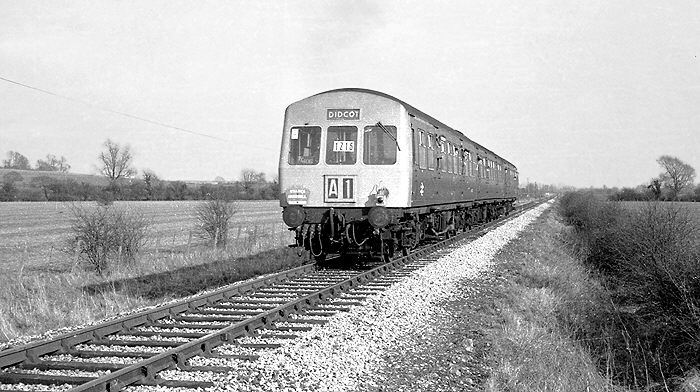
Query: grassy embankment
{"type": "Point", "coordinates": [37, 297]}
{"type": "Point", "coordinates": [550, 303]}
{"type": "Point", "coordinates": [609, 300]}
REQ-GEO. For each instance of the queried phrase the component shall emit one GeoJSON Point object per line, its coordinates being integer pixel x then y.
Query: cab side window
{"type": "Point", "coordinates": [304, 145]}
{"type": "Point", "coordinates": [380, 145]}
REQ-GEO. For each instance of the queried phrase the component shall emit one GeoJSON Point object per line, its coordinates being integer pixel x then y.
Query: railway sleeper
{"type": "Point", "coordinates": [319, 313]}
{"type": "Point", "coordinates": [264, 335]}
{"type": "Point", "coordinates": [232, 312]}
{"type": "Point", "coordinates": [309, 321]}
{"type": "Point", "coordinates": [293, 328]}
{"type": "Point", "coordinates": [259, 346]}
{"type": "Point", "coordinates": [295, 287]}
{"type": "Point", "coordinates": [187, 335]}
{"type": "Point", "coordinates": [175, 383]}
{"type": "Point", "coordinates": [242, 306]}
{"type": "Point", "coordinates": [209, 318]}
{"type": "Point", "coordinates": [287, 291]}
{"type": "Point", "coordinates": [73, 365]}
{"type": "Point", "coordinates": [352, 298]}
{"type": "Point", "coordinates": [328, 308]}
{"type": "Point", "coordinates": [42, 379]}
{"type": "Point", "coordinates": [110, 353]}
{"type": "Point", "coordinates": [136, 343]}
{"type": "Point", "coordinates": [347, 304]}
{"type": "Point", "coordinates": [187, 326]}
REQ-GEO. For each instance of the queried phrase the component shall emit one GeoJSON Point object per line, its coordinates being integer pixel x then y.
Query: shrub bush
{"type": "Point", "coordinates": [214, 217]}
{"type": "Point", "coordinates": [659, 278]}
{"type": "Point", "coordinates": [105, 234]}
{"type": "Point", "coordinates": [596, 223]}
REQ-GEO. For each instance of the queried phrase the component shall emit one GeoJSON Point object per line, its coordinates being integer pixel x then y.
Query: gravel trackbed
{"type": "Point", "coordinates": [347, 353]}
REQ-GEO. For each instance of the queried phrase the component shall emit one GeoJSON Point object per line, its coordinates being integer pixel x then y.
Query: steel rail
{"type": "Point", "coordinates": [32, 351]}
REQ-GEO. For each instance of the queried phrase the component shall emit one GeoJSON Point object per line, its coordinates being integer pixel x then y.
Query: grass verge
{"type": "Point", "coordinates": [551, 307]}
{"type": "Point", "coordinates": [33, 302]}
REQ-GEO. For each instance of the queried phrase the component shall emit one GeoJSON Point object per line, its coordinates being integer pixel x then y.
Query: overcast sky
{"type": "Point", "coordinates": [572, 92]}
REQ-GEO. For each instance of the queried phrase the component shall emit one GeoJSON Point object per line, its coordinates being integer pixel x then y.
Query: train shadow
{"type": "Point", "coordinates": [193, 279]}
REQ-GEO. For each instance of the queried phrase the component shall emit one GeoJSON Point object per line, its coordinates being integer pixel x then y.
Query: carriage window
{"type": "Point", "coordinates": [380, 145]}
{"type": "Point", "coordinates": [431, 152]}
{"type": "Point", "coordinates": [422, 153]}
{"type": "Point", "coordinates": [456, 161]}
{"type": "Point", "coordinates": [448, 157]}
{"type": "Point", "coordinates": [304, 145]}
{"type": "Point", "coordinates": [470, 164]}
{"type": "Point", "coordinates": [340, 145]}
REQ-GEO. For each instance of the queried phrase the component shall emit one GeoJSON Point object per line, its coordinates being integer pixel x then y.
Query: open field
{"type": "Point", "coordinates": [43, 287]}
{"type": "Point", "coordinates": [33, 234]}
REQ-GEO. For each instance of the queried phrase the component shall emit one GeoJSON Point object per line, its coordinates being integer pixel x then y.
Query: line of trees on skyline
{"type": "Point", "coordinates": [17, 161]}
{"type": "Point", "coordinates": [119, 181]}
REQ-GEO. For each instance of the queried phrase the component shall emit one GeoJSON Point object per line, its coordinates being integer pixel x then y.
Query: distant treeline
{"type": "Point", "coordinates": [645, 193]}
{"type": "Point", "coordinates": [48, 188]}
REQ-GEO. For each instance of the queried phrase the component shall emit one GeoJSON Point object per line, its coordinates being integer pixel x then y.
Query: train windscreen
{"type": "Point", "coordinates": [304, 145]}
{"type": "Point", "coordinates": [340, 145]}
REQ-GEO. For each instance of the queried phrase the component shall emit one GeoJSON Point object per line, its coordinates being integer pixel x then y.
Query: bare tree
{"type": "Point", "coordinates": [677, 174]}
{"type": "Point", "coordinates": [655, 187]}
{"type": "Point", "coordinates": [152, 183]}
{"type": "Point", "coordinates": [53, 164]}
{"type": "Point", "coordinates": [116, 161]}
{"type": "Point", "coordinates": [250, 177]}
{"type": "Point", "coordinates": [17, 161]}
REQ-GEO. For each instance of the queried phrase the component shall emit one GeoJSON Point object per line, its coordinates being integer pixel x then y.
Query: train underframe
{"type": "Point", "coordinates": [380, 233]}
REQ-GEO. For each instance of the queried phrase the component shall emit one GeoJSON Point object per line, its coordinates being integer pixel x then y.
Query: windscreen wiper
{"type": "Point", "coordinates": [383, 128]}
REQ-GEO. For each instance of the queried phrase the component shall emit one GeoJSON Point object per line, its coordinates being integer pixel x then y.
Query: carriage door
{"type": "Point", "coordinates": [420, 165]}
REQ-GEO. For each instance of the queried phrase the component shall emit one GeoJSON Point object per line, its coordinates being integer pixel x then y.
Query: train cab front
{"type": "Point", "coordinates": [344, 173]}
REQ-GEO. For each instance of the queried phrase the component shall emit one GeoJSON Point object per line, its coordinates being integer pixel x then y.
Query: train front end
{"type": "Point", "coordinates": [345, 171]}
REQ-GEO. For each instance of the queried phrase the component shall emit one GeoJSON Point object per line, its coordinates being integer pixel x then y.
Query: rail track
{"type": "Point", "coordinates": [132, 350]}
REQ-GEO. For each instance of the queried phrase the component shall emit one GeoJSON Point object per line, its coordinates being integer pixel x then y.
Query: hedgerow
{"type": "Point", "coordinates": [647, 255]}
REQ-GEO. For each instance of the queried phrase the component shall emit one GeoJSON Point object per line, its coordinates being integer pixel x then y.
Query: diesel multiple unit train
{"type": "Point", "coordinates": [364, 173]}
